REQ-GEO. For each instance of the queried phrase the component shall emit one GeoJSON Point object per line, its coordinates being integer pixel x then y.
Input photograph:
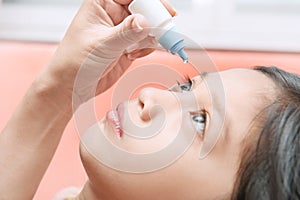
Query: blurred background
{"type": "Point", "coordinates": [235, 33]}
{"type": "Point", "coordinates": [267, 25]}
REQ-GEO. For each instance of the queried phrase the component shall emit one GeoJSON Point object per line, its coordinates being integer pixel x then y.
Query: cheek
{"type": "Point", "coordinates": [111, 184]}
{"type": "Point", "coordinates": [187, 178]}
{"type": "Point", "coordinates": [210, 178]}
{"type": "Point", "coordinates": [162, 136]}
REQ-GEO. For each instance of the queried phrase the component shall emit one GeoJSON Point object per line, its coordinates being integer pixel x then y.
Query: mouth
{"type": "Point", "coordinates": [113, 117]}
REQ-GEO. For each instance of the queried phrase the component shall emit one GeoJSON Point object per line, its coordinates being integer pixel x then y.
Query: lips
{"type": "Point", "coordinates": [114, 119]}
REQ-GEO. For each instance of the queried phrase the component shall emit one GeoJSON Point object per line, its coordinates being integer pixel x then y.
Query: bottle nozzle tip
{"type": "Point", "coordinates": [183, 55]}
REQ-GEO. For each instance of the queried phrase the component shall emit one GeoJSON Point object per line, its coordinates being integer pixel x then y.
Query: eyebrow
{"type": "Point", "coordinates": [203, 74]}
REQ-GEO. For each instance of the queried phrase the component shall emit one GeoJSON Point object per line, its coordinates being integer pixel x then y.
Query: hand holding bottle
{"type": "Point", "coordinates": [100, 41]}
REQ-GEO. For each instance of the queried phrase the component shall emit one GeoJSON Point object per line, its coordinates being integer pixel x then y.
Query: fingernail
{"type": "Point", "coordinates": [154, 41]}
{"type": "Point", "coordinates": [131, 57]}
{"type": "Point", "coordinates": [173, 12]}
{"type": "Point", "coordinates": [136, 25]}
{"type": "Point", "coordinates": [170, 8]}
{"type": "Point", "coordinates": [152, 44]}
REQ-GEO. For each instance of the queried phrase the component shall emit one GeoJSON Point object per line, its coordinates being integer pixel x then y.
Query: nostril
{"type": "Point", "coordinates": [145, 101]}
{"type": "Point", "coordinates": [142, 98]}
{"type": "Point", "coordinates": [141, 104]}
{"type": "Point", "coordinates": [144, 110]}
{"type": "Point", "coordinates": [145, 115]}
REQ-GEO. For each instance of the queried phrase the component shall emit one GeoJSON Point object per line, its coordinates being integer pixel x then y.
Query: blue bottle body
{"type": "Point", "coordinates": [174, 43]}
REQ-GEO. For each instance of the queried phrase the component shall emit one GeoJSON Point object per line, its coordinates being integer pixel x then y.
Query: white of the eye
{"type": "Point", "coordinates": [175, 88]}
{"type": "Point", "coordinates": [199, 123]}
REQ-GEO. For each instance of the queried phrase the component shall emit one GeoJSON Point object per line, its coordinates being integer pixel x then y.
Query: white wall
{"type": "Point", "coordinates": [271, 25]}
{"type": "Point", "coordinates": [36, 20]}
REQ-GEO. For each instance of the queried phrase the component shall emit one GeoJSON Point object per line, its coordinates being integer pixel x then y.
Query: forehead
{"type": "Point", "coordinates": [236, 83]}
{"type": "Point", "coordinates": [247, 77]}
{"type": "Point", "coordinates": [246, 88]}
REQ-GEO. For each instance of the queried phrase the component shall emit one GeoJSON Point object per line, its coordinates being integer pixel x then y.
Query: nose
{"type": "Point", "coordinates": [153, 100]}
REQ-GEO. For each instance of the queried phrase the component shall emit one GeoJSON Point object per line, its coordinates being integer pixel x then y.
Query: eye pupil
{"type": "Point", "coordinates": [185, 87]}
{"type": "Point", "coordinates": [199, 123]}
{"type": "Point", "coordinates": [199, 118]}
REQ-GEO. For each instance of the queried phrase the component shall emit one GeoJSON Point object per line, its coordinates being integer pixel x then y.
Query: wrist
{"type": "Point", "coordinates": [53, 93]}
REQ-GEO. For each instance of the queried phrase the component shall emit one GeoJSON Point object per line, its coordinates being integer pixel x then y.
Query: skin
{"type": "Point", "coordinates": [189, 177]}
{"type": "Point", "coordinates": [30, 138]}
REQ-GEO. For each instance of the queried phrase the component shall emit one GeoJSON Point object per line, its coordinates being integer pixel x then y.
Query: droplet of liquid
{"type": "Point", "coordinates": [185, 61]}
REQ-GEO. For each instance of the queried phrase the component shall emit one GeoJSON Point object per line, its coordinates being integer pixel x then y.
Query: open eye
{"type": "Point", "coordinates": [199, 122]}
{"type": "Point", "coordinates": [186, 87]}
{"type": "Point", "coordinates": [182, 87]}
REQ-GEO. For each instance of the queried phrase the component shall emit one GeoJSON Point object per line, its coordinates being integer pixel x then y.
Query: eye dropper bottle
{"type": "Point", "coordinates": [161, 21]}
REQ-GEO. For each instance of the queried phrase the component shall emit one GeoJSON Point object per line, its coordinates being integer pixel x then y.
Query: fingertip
{"type": "Point", "coordinates": [139, 21]}
{"type": "Point", "coordinates": [131, 30]}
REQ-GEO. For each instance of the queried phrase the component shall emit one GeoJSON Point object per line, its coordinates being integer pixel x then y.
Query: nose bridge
{"type": "Point", "coordinates": [153, 101]}
{"type": "Point", "coordinates": [150, 97]}
{"type": "Point", "coordinates": [153, 96]}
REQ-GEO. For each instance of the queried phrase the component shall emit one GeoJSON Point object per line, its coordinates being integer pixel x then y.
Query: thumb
{"type": "Point", "coordinates": [130, 31]}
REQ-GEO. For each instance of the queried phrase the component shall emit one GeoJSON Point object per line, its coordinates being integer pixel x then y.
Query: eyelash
{"type": "Point", "coordinates": [199, 123]}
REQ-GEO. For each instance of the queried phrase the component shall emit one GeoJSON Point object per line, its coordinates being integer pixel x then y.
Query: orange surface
{"type": "Point", "coordinates": [21, 62]}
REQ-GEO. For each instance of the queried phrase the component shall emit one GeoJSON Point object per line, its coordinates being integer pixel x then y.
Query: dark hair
{"type": "Point", "coordinates": [270, 170]}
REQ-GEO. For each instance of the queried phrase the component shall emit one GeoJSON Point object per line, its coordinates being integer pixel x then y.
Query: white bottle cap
{"type": "Point", "coordinates": [153, 10]}
{"type": "Point", "coordinates": [161, 24]}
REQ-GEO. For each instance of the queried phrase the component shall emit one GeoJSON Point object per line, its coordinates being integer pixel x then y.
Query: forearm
{"type": "Point", "coordinates": [29, 140]}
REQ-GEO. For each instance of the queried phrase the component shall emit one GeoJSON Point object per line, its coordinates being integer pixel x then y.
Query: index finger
{"type": "Point", "coordinates": [166, 3]}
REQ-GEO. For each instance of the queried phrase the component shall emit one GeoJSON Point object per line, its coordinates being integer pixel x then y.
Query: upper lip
{"type": "Point", "coordinates": [120, 111]}
{"type": "Point", "coordinates": [114, 117]}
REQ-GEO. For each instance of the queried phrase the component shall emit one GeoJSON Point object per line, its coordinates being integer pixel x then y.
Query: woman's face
{"type": "Point", "coordinates": [210, 112]}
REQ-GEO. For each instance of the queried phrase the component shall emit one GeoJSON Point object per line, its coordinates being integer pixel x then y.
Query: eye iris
{"type": "Point", "coordinates": [185, 87]}
{"type": "Point", "coordinates": [199, 118]}
{"type": "Point", "coordinates": [199, 122]}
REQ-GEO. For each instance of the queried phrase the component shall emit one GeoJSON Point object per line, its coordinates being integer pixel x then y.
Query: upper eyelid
{"type": "Point", "coordinates": [199, 79]}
